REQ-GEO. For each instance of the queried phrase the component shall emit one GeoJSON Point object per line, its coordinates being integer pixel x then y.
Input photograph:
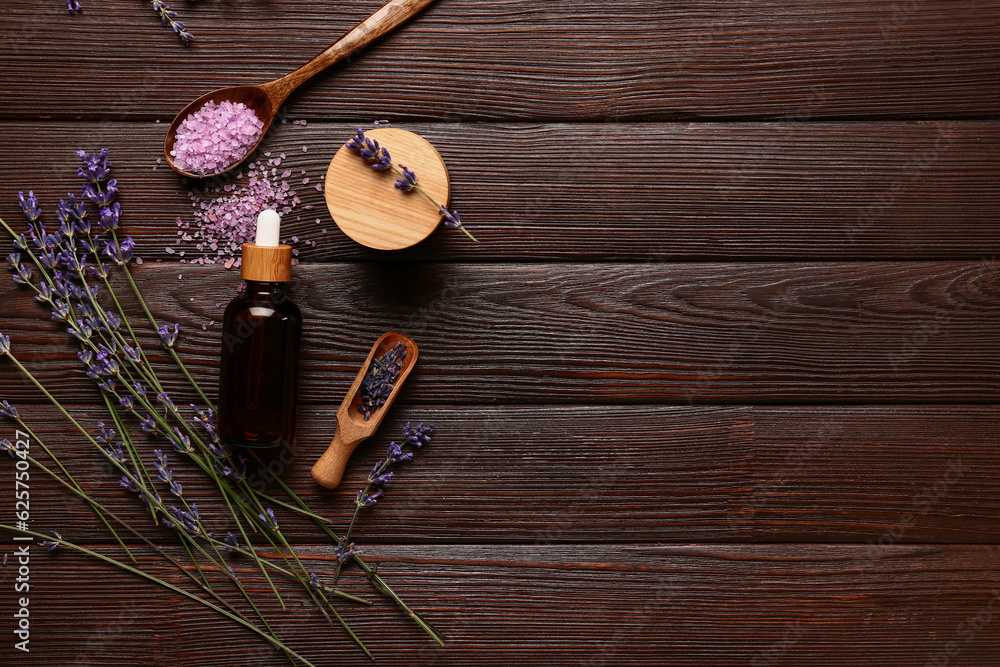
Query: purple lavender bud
{"type": "Point", "coordinates": [181, 442]}
{"type": "Point", "coordinates": [378, 477]}
{"type": "Point", "coordinates": [30, 206]}
{"type": "Point", "coordinates": [344, 553]}
{"type": "Point", "coordinates": [127, 402]}
{"type": "Point", "coordinates": [139, 389]}
{"type": "Point", "coordinates": [395, 453]}
{"type": "Point", "coordinates": [357, 141]}
{"type": "Point", "coordinates": [408, 181]}
{"type": "Point", "coordinates": [8, 410]}
{"type": "Point", "coordinates": [23, 276]}
{"type": "Point", "coordinates": [107, 436]}
{"type": "Point", "coordinates": [314, 580]}
{"type": "Point", "coordinates": [4, 345]}
{"type": "Point", "coordinates": [231, 541]}
{"type": "Point", "coordinates": [451, 217]}
{"type": "Point", "coordinates": [417, 436]}
{"type": "Point", "coordinates": [52, 544]}
{"type": "Point", "coordinates": [164, 399]}
{"type": "Point", "coordinates": [269, 518]}
{"type": "Point", "coordinates": [73, 6]}
{"type": "Point", "coordinates": [167, 336]}
{"type": "Point", "coordinates": [108, 216]}
{"type": "Point", "coordinates": [95, 165]}
{"type": "Point", "coordinates": [129, 484]}
{"type": "Point", "coordinates": [367, 500]}
{"type": "Point", "coordinates": [148, 424]}
{"type": "Point", "coordinates": [44, 293]}
{"type": "Point", "coordinates": [380, 380]}
{"type": "Point", "coordinates": [8, 447]}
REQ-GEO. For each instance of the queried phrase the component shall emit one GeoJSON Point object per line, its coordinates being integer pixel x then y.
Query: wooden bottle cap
{"type": "Point", "coordinates": [367, 206]}
{"type": "Point", "coordinates": [269, 264]}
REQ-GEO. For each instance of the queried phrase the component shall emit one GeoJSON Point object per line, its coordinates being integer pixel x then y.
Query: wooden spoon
{"type": "Point", "coordinates": [266, 99]}
{"type": "Point", "coordinates": [352, 428]}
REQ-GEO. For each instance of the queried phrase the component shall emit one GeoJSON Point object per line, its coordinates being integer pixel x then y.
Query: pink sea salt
{"type": "Point", "coordinates": [215, 137]}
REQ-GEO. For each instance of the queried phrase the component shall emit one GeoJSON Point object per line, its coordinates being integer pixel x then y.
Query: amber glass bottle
{"type": "Point", "coordinates": [261, 333]}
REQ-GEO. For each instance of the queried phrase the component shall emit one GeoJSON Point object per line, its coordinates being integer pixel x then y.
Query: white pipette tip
{"type": "Point", "coordinates": [268, 228]}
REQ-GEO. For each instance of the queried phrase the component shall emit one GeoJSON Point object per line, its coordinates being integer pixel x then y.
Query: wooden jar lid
{"type": "Point", "coordinates": [367, 206]}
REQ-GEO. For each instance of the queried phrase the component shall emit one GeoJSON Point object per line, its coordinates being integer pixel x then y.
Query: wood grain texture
{"type": "Point", "coordinates": [550, 475]}
{"type": "Point", "coordinates": [594, 605]}
{"type": "Point", "coordinates": [671, 192]}
{"type": "Point", "coordinates": [521, 59]}
{"type": "Point", "coordinates": [597, 333]}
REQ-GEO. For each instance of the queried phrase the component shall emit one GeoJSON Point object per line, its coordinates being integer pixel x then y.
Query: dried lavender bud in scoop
{"type": "Point", "coordinates": [380, 380]}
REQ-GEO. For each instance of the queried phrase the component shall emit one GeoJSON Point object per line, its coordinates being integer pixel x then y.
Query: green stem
{"type": "Point", "coordinates": [176, 589]}
{"type": "Point", "coordinates": [49, 453]}
{"type": "Point", "coordinates": [431, 200]}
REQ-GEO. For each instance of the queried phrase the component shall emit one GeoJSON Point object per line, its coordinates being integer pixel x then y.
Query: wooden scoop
{"type": "Point", "coordinates": [352, 429]}
{"type": "Point", "coordinates": [265, 99]}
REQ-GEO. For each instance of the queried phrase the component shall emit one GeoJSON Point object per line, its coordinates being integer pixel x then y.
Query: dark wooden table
{"type": "Point", "coordinates": [719, 386]}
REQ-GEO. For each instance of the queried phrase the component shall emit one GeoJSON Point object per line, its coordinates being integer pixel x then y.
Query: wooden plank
{"type": "Point", "coordinates": [597, 333]}
{"type": "Point", "coordinates": [672, 191]}
{"type": "Point", "coordinates": [600, 605]}
{"type": "Point", "coordinates": [584, 60]}
{"type": "Point", "coordinates": [880, 475]}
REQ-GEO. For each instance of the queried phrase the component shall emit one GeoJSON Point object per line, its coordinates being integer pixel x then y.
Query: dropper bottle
{"type": "Point", "coordinates": [261, 333]}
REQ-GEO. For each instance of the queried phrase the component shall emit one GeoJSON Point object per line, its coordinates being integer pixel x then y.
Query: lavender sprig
{"type": "Point", "coordinates": [73, 6]}
{"type": "Point", "coordinates": [378, 158]}
{"type": "Point", "coordinates": [168, 18]}
{"type": "Point", "coordinates": [415, 436]}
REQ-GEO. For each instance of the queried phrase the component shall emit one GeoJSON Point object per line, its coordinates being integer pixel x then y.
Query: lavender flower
{"type": "Point", "coordinates": [418, 435]}
{"type": "Point", "coordinates": [8, 410]}
{"type": "Point", "coordinates": [165, 473]}
{"type": "Point", "coordinates": [103, 197]}
{"type": "Point", "coordinates": [408, 181]}
{"type": "Point", "coordinates": [368, 499]}
{"type": "Point", "coordinates": [451, 217]}
{"type": "Point", "coordinates": [163, 398]}
{"type": "Point", "coordinates": [395, 454]}
{"type": "Point", "coordinates": [377, 476]}
{"type": "Point", "coordinates": [314, 580]}
{"type": "Point", "coordinates": [344, 553]}
{"type": "Point", "coordinates": [167, 336]}
{"type": "Point", "coordinates": [50, 545]}
{"type": "Point", "coordinates": [120, 254]}
{"type": "Point", "coordinates": [231, 542]}
{"type": "Point", "coordinates": [148, 424]}
{"type": "Point", "coordinates": [30, 206]}
{"type": "Point", "coordinates": [108, 216]}
{"type": "Point", "coordinates": [96, 167]}
{"type": "Point", "coordinates": [9, 447]}
{"type": "Point", "coordinates": [370, 151]}
{"type": "Point", "coordinates": [357, 141]}
{"type": "Point", "coordinates": [129, 484]}
{"type": "Point", "coordinates": [4, 345]}
{"type": "Point", "coordinates": [269, 518]}
{"type": "Point", "coordinates": [167, 17]}
{"type": "Point", "coordinates": [380, 380]}
{"type": "Point", "coordinates": [183, 519]}
{"type": "Point", "coordinates": [180, 441]}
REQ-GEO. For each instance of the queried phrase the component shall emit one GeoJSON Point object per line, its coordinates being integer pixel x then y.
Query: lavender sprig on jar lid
{"type": "Point", "coordinates": [381, 379]}
{"type": "Point", "coordinates": [378, 158]}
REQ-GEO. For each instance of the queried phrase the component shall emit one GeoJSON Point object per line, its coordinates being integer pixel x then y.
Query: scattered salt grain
{"type": "Point", "coordinates": [215, 137]}
{"type": "Point", "coordinates": [305, 149]}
